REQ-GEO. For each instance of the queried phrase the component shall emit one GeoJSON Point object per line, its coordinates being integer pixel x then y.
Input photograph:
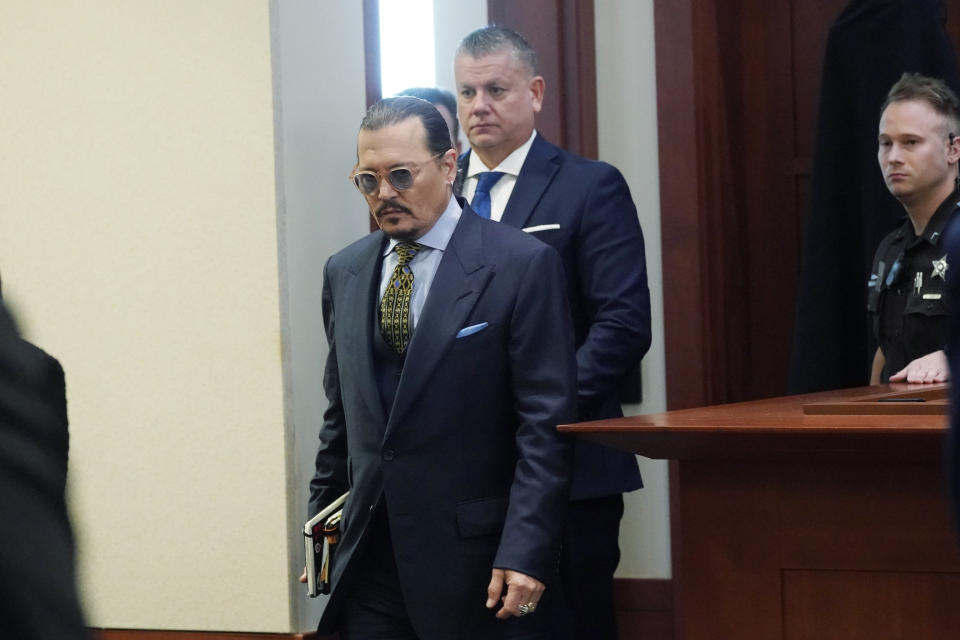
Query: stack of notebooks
{"type": "Point", "coordinates": [321, 534]}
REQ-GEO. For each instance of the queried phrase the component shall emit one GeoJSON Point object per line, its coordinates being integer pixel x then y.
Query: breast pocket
{"type": "Point", "coordinates": [927, 304]}
{"type": "Point", "coordinates": [926, 323]}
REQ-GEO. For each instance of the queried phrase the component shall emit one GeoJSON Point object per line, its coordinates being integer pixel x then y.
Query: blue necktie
{"type": "Point", "coordinates": [481, 197]}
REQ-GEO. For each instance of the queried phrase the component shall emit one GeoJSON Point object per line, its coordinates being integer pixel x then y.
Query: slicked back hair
{"type": "Point", "coordinates": [933, 91]}
{"type": "Point", "coordinates": [436, 96]}
{"type": "Point", "coordinates": [493, 39]}
{"type": "Point", "coordinates": [390, 111]}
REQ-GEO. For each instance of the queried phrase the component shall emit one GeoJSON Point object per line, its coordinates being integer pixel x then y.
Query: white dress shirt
{"type": "Point", "coordinates": [499, 192]}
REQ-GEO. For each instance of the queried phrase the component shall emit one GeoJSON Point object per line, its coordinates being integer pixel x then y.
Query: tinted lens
{"type": "Point", "coordinates": [401, 179]}
{"type": "Point", "coordinates": [366, 182]}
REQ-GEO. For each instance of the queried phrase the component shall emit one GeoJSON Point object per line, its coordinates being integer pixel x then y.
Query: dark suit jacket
{"type": "Point", "coordinates": [37, 593]}
{"type": "Point", "coordinates": [951, 241]}
{"type": "Point", "coordinates": [601, 245]}
{"type": "Point", "coordinates": [468, 461]}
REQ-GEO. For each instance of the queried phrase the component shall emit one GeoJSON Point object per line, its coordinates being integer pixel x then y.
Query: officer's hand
{"type": "Point", "coordinates": [932, 367]}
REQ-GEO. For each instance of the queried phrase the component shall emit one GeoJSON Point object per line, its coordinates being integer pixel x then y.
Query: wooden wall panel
{"type": "Point", "coordinates": [830, 604]}
{"type": "Point", "coordinates": [765, 204]}
{"type": "Point", "coordinates": [562, 32]}
{"type": "Point", "coordinates": [815, 550]}
{"type": "Point", "coordinates": [644, 609]}
{"type": "Point", "coordinates": [687, 355]}
{"type": "Point", "coordinates": [738, 90]}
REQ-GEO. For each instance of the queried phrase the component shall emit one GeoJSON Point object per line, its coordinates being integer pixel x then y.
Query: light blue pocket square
{"type": "Point", "coordinates": [472, 329]}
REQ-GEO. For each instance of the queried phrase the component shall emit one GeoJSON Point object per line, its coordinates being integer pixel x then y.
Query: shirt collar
{"type": "Point", "coordinates": [933, 232]}
{"type": "Point", "coordinates": [510, 165]}
{"type": "Point", "coordinates": [438, 236]}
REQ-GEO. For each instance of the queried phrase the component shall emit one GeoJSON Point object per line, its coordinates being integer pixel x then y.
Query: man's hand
{"type": "Point", "coordinates": [932, 367]}
{"type": "Point", "coordinates": [521, 589]}
{"type": "Point", "coordinates": [303, 576]}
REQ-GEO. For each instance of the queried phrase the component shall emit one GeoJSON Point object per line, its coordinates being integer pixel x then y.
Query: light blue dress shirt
{"type": "Point", "coordinates": [425, 263]}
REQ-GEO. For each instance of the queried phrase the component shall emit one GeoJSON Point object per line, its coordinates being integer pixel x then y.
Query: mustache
{"type": "Point", "coordinates": [391, 204]}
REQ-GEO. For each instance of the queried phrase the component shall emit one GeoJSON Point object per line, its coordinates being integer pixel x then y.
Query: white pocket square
{"type": "Point", "coordinates": [472, 329]}
{"type": "Point", "coordinates": [541, 227]}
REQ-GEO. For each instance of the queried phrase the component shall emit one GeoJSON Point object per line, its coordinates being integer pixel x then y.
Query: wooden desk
{"type": "Point", "coordinates": [792, 526]}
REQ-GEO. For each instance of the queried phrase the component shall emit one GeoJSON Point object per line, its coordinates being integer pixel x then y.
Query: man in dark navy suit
{"type": "Point", "coordinates": [451, 363]}
{"type": "Point", "coordinates": [38, 596]}
{"type": "Point", "coordinates": [583, 209]}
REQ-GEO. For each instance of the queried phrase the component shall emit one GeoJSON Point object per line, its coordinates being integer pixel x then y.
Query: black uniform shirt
{"type": "Point", "coordinates": [906, 297]}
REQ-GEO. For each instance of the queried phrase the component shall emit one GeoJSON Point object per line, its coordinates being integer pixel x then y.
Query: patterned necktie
{"type": "Point", "coordinates": [481, 197]}
{"type": "Point", "coordinates": [395, 304]}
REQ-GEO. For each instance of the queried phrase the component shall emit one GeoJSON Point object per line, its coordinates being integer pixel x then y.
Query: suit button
{"type": "Point", "coordinates": [388, 454]}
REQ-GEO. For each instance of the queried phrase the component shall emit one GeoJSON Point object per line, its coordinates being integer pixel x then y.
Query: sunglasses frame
{"type": "Point", "coordinates": [413, 167]}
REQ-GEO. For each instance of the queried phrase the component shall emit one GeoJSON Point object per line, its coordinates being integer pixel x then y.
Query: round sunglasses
{"type": "Point", "coordinates": [400, 178]}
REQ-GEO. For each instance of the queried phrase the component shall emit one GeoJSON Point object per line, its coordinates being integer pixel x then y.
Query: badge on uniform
{"type": "Point", "coordinates": [940, 268]}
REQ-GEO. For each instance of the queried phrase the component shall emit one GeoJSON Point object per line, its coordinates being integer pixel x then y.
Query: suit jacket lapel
{"type": "Point", "coordinates": [358, 309]}
{"type": "Point", "coordinates": [457, 285]}
{"type": "Point", "coordinates": [537, 173]}
{"type": "Point", "coordinates": [462, 163]}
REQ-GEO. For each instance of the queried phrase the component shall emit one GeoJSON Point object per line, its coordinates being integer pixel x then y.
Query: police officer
{"type": "Point", "coordinates": [919, 149]}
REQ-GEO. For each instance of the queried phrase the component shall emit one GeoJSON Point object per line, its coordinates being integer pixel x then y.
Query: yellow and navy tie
{"type": "Point", "coordinates": [395, 304]}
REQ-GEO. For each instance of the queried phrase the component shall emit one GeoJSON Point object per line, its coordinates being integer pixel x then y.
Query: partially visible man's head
{"type": "Point", "coordinates": [446, 104]}
{"type": "Point", "coordinates": [498, 91]}
{"type": "Point", "coordinates": [918, 139]}
{"type": "Point", "coordinates": [405, 165]}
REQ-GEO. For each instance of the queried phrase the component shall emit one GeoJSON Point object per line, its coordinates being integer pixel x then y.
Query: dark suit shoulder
{"type": "Point", "coordinates": [570, 160]}
{"type": "Point", "coordinates": [544, 150]}
{"type": "Point", "coordinates": [356, 251]}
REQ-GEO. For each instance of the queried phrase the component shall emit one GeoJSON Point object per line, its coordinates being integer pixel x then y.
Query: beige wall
{"type": "Point", "coordinates": [138, 244]}
{"type": "Point", "coordinates": [320, 98]}
{"type": "Point", "coordinates": [627, 136]}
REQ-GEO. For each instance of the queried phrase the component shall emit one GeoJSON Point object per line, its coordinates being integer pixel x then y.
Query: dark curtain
{"type": "Point", "coordinates": [870, 45]}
